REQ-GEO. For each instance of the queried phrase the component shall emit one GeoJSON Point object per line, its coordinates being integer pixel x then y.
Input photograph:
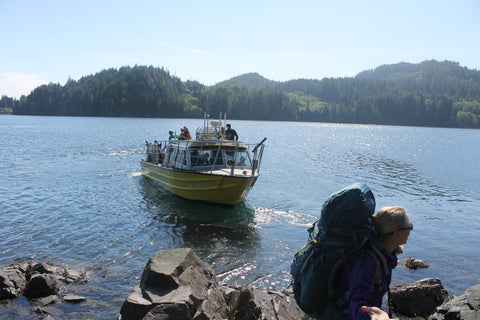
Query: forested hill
{"type": "Point", "coordinates": [430, 93]}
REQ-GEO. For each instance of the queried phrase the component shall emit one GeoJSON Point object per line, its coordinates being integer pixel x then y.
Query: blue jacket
{"type": "Point", "coordinates": [359, 275]}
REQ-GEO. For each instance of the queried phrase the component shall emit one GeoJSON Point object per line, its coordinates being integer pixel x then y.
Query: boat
{"type": "Point", "coordinates": [208, 168]}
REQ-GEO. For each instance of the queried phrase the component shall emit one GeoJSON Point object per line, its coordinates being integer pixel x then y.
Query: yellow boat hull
{"type": "Point", "coordinates": [221, 189]}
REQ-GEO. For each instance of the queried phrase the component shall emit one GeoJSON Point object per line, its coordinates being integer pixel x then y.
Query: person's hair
{"type": "Point", "coordinates": [388, 220]}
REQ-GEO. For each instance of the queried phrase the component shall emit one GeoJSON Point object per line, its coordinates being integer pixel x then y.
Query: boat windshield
{"type": "Point", "coordinates": [239, 158]}
{"type": "Point", "coordinates": [205, 157]}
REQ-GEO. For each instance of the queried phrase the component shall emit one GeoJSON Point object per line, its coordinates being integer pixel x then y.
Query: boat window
{"type": "Point", "coordinates": [180, 161]}
{"type": "Point", "coordinates": [206, 157]}
{"type": "Point", "coordinates": [194, 157]}
{"type": "Point", "coordinates": [172, 154]}
{"type": "Point", "coordinates": [240, 158]}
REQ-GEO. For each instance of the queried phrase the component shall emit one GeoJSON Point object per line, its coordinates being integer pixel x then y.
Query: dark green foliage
{"type": "Point", "coordinates": [6, 105]}
{"type": "Point", "coordinates": [127, 92]}
{"type": "Point", "coordinates": [430, 93]}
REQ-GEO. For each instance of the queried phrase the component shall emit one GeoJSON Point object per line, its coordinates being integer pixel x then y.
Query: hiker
{"type": "Point", "coordinates": [356, 282]}
{"type": "Point", "coordinates": [231, 134]}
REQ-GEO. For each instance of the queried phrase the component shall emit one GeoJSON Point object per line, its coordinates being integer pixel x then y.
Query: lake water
{"type": "Point", "coordinates": [72, 193]}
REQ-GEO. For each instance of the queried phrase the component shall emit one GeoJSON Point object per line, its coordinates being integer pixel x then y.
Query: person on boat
{"type": "Point", "coordinates": [185, 135]}
{"type": "Point", "coordinates": [365, 279]}
{"type": "Point", "coordinates": [221, 134]}
{"type": "Point", "coordinates": [231, 134]}
{"type": "Point", "coordinates": [171, 135]}
{"type": "Point", "coordinates": [205, 158]}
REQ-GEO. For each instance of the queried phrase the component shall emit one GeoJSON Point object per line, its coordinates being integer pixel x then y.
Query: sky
{"type": "Point", "coordinates": [51, 41]}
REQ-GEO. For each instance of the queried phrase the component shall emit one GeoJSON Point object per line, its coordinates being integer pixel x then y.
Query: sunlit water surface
{"type": "Point", "coordinates": [72, 193]}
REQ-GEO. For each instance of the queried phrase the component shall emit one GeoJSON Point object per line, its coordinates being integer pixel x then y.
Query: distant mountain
{"type": "Point", "coordinates": [415, 70]}
{"type": "Point", "coordinates": [250, 80]}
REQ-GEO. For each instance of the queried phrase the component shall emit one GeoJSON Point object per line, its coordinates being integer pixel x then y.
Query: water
{"type": "Point", "coordinates": [72, 193]}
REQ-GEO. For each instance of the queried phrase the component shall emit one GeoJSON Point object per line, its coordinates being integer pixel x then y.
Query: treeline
{"type": "Point", "coordinates": [431, 93]}
{"type": "Point", "coordinates": [127, 92]}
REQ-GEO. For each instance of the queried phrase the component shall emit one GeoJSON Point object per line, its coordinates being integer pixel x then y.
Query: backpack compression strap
{"type": "Point", "coordinates": [379, 257]}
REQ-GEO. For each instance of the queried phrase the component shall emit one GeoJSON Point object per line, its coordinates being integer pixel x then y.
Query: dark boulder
{"type": "Point", "coordinates": [419, 298]}
{"type": "Point", "coordinates": [42, 285]}
{"type": "Point", "coordinates": [248, 302]}
{"type": "Point", "coordinates": [176, 284]}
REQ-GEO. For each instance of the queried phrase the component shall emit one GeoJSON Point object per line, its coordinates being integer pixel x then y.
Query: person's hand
{"type": "Point", "coordinates": [377, 313]}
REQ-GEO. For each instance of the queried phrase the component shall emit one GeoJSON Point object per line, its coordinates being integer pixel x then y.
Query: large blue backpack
{"type": "Point", "coordinates": [345, 225]}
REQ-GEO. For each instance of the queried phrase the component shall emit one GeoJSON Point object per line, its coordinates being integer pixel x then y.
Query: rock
{"type": "Point", "coordinates": [45, 301]}
{"type": "Point", "coordinates": [135, 306]}
{"type": "Point", "coordinates": [74, 276]}
{"type": "Point", "coordinates": [61, 273]}
{"type": "Point", "coordinates": [466, 306]}
{"type": "Point", "coordinates": [418, 298]}
{"type": "Point", "coordinates": [40, 310]}
{"type": "Point", "coordinates": [253, 303]}
{"type": "Point", "coordinates": [36, 280]}
{"type": "Point", "coordinates": [48, 312]}
{"type": "Point", "coordinates": [175, 280]}
{"type": "Point", "coordinates": [73, 298]}
{"type": "Point", "coordinates": [13, 280]}
{"type": "Point", "coordinates": [414, 264]}
{"type": "Point", "coordinates": [176, 284]}
{"type": "Point", "coordinates": [169, 311]}
{"type": "Point", "coordinates": [42, 285]}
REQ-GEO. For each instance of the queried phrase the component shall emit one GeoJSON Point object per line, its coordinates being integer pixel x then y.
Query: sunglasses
{"type": "Point", "coordinates": [410, 227]}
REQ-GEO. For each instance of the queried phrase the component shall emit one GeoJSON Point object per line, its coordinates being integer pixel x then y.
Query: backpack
{"type": "Point", "coordinates": [345, 225]}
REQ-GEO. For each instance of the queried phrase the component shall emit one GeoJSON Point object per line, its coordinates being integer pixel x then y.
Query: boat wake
{"type": "Point", "coordinates": [135, 174]}
{"type": "Point", "coordinates": [266, 216]}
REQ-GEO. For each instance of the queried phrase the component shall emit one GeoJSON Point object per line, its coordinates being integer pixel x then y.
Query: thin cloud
{"type": "Point", "coordinates": [16, 84]}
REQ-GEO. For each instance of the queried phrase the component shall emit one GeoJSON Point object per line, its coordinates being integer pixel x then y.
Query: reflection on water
{"type": "Point", "coordinates": [221, 236]}
{"type": "Point", "coordinates": [163, 203]}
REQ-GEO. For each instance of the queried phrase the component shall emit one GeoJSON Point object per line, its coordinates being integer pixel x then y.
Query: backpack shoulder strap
{"type": "Point", "coordinates": [381, 266]}
{"type": "Point", "coordinates": [342, 302]}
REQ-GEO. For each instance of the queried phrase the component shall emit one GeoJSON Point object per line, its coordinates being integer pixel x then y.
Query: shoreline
{"type": "Point", "coordinates": [47, 287]}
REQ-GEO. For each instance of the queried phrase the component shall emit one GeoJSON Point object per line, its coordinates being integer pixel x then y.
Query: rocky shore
{"type": "Point", "coordinates": [41, 284]}
{"type": "Point", "coordinates": [176, 284]}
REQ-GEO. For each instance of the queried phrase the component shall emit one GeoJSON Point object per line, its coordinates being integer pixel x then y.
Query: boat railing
{"type": "Point", "coordinates": [176, 153]}
{"type": "Point", "coordinates": [154, 151]}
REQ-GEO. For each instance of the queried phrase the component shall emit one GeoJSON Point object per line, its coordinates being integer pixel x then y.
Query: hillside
{"type": "Point", "coordinates": [430, 93]}
{"type": "Point", "coordinates": [250, 80]}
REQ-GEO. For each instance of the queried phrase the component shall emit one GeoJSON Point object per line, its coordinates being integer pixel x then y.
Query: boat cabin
{"type": "Point", "coordinates": [207, 156]}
